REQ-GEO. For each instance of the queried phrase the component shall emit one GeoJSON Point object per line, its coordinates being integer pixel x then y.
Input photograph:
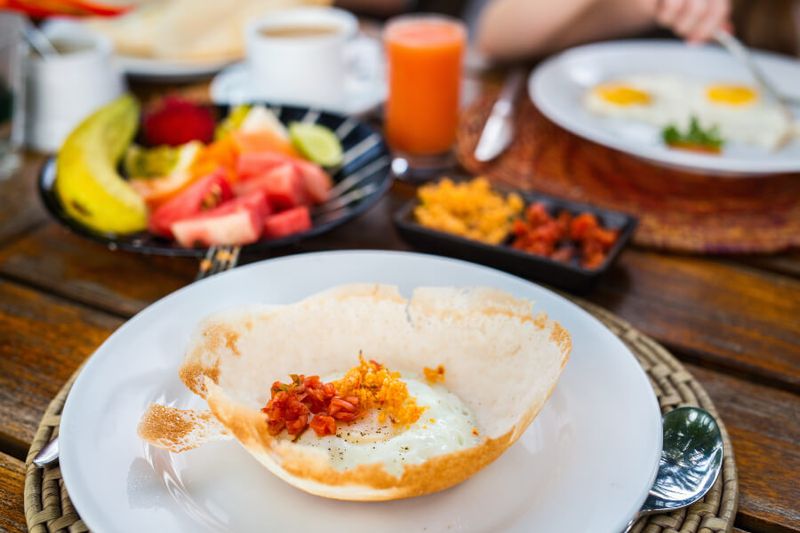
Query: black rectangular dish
{"type": "Point", "coordinates": [566, 275]}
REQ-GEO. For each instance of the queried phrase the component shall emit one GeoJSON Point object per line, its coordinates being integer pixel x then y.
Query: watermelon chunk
{"type": "Point", "coordinates": [317, 183]}
{"type": "Point", "coordinates": [254, 164]}
{"type": "Point", "coordinates": [282, 186]}
{"type": "Point", "coordinates": [238, 221]}
{"type": "Point", "coordinates": [204, 194]}
{"type": "Point", "coordinates": [296, 220]}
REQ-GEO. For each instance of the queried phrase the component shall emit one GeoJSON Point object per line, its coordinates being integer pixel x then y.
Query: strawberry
{"type": "Point", "coordinates": [175, 121]}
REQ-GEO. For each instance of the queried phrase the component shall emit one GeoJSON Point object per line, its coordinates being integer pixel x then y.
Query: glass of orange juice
{"type": "Point", "coordinates": [425, 55]}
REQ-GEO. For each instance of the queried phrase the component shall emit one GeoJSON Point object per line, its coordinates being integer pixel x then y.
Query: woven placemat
{"type": "Point", "coordinates": [48, 507]}
{"type": "Point", "coordinates": [677, 210]}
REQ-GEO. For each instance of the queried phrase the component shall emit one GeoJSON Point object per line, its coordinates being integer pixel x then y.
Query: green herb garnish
{"type": "Point", "coordinates": [707, 139]}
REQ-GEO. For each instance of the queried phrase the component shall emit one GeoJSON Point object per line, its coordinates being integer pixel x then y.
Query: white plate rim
{"type": "Point", "coordinates": [719, 166]}
{"type": "Point", "coordinates": [165, 69]}
{"type": "Point", "coordinates": [70, 416]}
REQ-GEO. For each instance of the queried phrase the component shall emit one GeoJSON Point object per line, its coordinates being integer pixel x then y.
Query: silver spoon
{"type": "Point", "coordinates": [48, 454]}
{"type": "Point", "coordinates": [690, 462]}
{"type": "Point", "coordinates": [39, 41]}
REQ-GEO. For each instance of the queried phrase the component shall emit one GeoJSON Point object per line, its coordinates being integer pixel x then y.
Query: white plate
{"type": "Point", "coordinates": [365, 86]}
{"type": "Point", "coordinates": [558, 85]}
{"type": "Point", "coordinates": [167, 71]}
{"type": "Point", "coordinates": [585, 464]}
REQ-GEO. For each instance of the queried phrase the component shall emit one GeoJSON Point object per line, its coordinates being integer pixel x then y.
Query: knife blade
{"type": "Point", "coordinates": [499, 128]}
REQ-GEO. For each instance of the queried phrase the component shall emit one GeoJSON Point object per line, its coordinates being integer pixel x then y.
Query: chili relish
{"type": "Point", "coordinates": [308, 402]}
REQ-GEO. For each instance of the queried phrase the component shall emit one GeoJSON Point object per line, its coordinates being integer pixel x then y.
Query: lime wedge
{"type": "Point", "coordinates": [317, 143]}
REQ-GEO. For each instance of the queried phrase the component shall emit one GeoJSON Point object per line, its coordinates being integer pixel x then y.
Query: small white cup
{"type": "Point", "coordinates": [62, 90]}
{"type": "Point", "coordinates": [306, 70]}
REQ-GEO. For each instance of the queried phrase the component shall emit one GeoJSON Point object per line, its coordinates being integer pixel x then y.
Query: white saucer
{"type": "Point", "coordinates": [233, 85]}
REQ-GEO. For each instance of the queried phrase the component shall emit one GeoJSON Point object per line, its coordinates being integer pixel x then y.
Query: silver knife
{"type": "Point", "coordinates": [499, 129]}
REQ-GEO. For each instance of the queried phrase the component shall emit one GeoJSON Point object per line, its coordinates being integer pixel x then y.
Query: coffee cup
{"type": "Point", "coordinates": [299, 56]}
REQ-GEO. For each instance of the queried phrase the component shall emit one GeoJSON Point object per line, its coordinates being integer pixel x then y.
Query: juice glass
{"type": "Point", "coordinates": [425, 54]}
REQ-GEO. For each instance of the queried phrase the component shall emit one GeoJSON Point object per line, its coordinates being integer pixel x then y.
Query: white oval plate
{"type": "Point", "coordinates": [558, 85]}
{"type": "Point", "coordinates": [585, 464]}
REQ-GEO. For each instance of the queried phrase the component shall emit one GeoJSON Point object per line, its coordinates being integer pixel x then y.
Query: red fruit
{"type": "Point", "coordinates": [282, 185]}
{"type": "Point", "coordinates": [316, 182]}
{"type": "Point", "coordinates": [237, 221]}
{"type": "Point", "coordinates": [254, 164]}
{"type": "Point", "coordinates": [287, 223]}
{"type": "Point", "coordinates": [255, 201]}
{"type": "Point", "coordinates": [175, 121]}
{"type": "Point", "coordinates": [203, 195]}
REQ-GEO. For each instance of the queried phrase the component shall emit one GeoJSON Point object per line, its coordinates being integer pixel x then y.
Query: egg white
{"type": "Point", "coordinates": [675, 100]}
{"type": "Point", "coordinates": [759, 123]}
{"type": "Point", "coordinates": [667, 100]}
{"type": "Point", "coordinates": [445, 426]}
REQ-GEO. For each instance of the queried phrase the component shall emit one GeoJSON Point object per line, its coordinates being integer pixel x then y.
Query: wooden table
{"type": "Point", "coordinates": [734, 321]}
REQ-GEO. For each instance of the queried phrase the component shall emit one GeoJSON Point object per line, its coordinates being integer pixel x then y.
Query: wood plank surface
{"type": "Point", "coordinates": [724, 314]}
{"type": "Point", "coordinates": [19, 203]}
{"type": "Point", "coordinates": [787, 263]}
{"type": "Point", "coordinates": [62, 263]}
{"type": "Point", "coordinates": [12, 483]}
{"type": "Point", "coordinates": [764, 426]}
{"type": "Point", "coordinates": [733, 316]}
{"type": "Point", "coordinates": [57, 261]}
{"type": "Point", "coordinates": [43, 340]}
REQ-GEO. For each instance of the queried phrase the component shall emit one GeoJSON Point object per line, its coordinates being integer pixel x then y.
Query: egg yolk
{"type": "Point", "coordinates": [733, 95]}
{"type": "Point", "coordinates": [622, 95]}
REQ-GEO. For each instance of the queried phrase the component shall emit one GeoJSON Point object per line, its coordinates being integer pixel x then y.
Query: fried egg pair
{"type": "Point", "coordinates": [739, 111]}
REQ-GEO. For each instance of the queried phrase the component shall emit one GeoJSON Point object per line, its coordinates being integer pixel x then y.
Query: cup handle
{"type": "Point", "coordinates": [363, 61]}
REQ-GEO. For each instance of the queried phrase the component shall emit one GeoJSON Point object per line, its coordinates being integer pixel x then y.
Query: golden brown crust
{"type": "Point", "coordinates": [177, 430]}
{"type": "Point", "coordinates": [231, 340]}
{"type": "Point", "coordinates": [193, 374]}
{"type": "Point", "coordinates": [563, 340]}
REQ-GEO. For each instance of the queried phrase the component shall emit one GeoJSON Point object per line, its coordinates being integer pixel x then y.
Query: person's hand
{"type": "Point", "coordinates": [694, 20]}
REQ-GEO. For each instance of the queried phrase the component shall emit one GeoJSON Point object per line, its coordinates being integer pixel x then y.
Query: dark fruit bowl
{"type": "Point", "coordinates": [359, 183]}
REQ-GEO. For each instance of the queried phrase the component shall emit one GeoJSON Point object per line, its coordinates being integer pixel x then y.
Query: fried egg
{"type": "Point", "coordinates": [739, 112]}
{"type": "Point", "coordinates": [446, 425]}
{"type": "Point", "coordinates": [655, 100]}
